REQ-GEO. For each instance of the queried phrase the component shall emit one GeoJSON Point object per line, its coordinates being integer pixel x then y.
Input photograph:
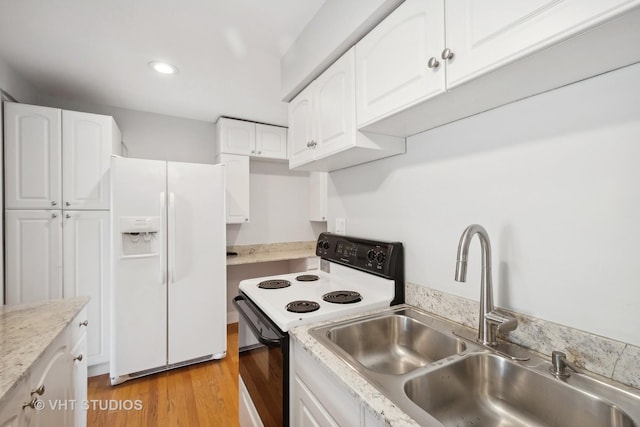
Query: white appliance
{"type": "Point", "coordinates": [357, 275]}
{"type": "Point", "coordinates": [169, 266]}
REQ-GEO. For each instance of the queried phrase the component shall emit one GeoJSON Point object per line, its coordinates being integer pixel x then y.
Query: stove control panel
{"type": "Point", "coordinates": [380, 258]}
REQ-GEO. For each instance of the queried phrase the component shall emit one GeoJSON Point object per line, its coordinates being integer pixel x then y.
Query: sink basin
{"type": "Point", "coordinates": [393, 344]}
{"type": "Point", "coordinates": [488, 390]}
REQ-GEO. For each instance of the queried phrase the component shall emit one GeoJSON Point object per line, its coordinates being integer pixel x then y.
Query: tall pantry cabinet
{"type": "Point", "coordinates": [57, 202]}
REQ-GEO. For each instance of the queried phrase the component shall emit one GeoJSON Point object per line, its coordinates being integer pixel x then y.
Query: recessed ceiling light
{"type": "Point", "coordinates": [163, 67]}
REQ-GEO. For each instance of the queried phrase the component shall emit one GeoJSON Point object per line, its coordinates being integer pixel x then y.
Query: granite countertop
{"type": "Point", "coordinates": [383, 408]}
{"type": "Point", "coordinates": [251, 254]}
{"type": "Point", "coordinates": [25, 333]}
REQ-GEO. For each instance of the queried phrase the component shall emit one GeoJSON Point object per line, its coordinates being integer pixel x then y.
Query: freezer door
{"type": "Point", "coordinates": [139, 320]}
{"type": "Point", "coordinates": [197, 261]}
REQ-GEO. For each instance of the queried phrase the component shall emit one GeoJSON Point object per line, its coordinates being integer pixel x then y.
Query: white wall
{"type": "Point", "coordinates": [12, 83]}
{"type": "Point", "coordinates": [555, 179]}
{"type": "Point", "coordinates": [279, 207]}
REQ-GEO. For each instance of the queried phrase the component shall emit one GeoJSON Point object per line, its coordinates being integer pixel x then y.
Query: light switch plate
{"type": "Point", "coordinates": [341, 226]}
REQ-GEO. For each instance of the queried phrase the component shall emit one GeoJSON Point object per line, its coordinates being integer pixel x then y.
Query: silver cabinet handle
{"type": "Point", "coordinates": [85, 323]}
{"type": "Point", "coordinates": [39, 390]}
{"type": "Point", "coordinates": [433, 62]}
{"type": "Point", "coordinates": [259, 152]}
{"type": "Point", "coordinates": [68, 216]}
{"type": "Point", "coordinates": [67, 203]}
{"type": "Point", "coordinates": [447, 54]}
{"type": "Point", "coordinates": [253, 151]}
{"type": "Point", "coordinates": [31, 404]}
{"type": "Point", "coordinates": [54, 203]}
{"type": "Point", "coordinates": [78, 358]}
{"type": "Point", "coordinates": [54, 215]}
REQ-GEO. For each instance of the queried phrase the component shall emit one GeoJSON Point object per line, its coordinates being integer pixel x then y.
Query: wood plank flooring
{"type": "Point", "coordinates": [204, 395]}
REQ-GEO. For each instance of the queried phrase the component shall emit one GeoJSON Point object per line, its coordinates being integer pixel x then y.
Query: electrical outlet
{"type": "Point", "coordinates": [341, 226]}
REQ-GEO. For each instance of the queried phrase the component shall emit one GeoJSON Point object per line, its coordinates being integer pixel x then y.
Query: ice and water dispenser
{"type": "Point", "coordinates": [140, 236]}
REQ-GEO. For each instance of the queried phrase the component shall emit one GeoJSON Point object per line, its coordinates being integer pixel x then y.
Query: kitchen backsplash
{"type": "Point", "coordinates": [610, 358]}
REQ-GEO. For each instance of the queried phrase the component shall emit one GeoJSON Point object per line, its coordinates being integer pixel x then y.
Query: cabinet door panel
{"type": "Point", "coordinates": [32, 157]}
{"type": "Point", "coordinates": [33, 256]}
{"type": "Point", "coordinates": [80, 386]}
{"type": "Point", "coordinates": [57, 378]}
{"type": "Point", "coordinates": [87, 250]}
{"type": "Point", "coordinates": [486, 35]}
{"type": "Point", "coordinates": [237, 187]}
{"type": "Point", "coordinates": [335, 107]}
{"type": "Point", "coordinates": [236, 136]}
{"type": "Point", "coordinates": [391, 61]}
{"type": "Point", "coordinates": [301, 128]}
{"type": "Point", "coordinates": [271, 142]}
{"type": "Point", "coordinates": [87, 146]}
{"type": "Point", "coordinates": [308, 411]}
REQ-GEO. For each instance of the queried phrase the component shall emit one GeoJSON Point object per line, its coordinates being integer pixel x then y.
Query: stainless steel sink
{"type": "Point", "coordinates": [489, 390]}
{"type": "Point", "coordinates": [393, 344]}
{"type": "Point", "coordinates": [438, 379]}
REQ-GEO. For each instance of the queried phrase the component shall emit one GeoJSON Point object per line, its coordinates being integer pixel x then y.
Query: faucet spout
{"type": "Point", "coordinates": [490, 320]}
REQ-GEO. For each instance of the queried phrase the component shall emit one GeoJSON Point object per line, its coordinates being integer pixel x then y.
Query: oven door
{"type": "Point", "coordinates": [263, 363]}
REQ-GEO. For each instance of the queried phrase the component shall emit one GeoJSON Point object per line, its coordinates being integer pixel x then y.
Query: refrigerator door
{"type": "Point", "coordinates": [139, 310]}
{"type": "Point", "coordinates": [197, 262]}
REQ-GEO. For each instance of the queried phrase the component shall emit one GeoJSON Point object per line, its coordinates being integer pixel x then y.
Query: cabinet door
{"type": "Point", "coordinates": [79, 355]}
{"type": "Point", "coordinates": [392, 71]}
{"type": "Point", "coordinates": [308, 412]}
{"type": "Point", "coordinates": [300, 132]}
{"type": "Point", "coordinates": [236, 136]}
{"type": "Point", "coordinates": [87, 145]}
{"type": "Point", "coordinates": [12, 414]}
{"type": "Point", "coordinates": [487, 36]}
{"type": "Point", "coordinates": [271, 142]}
{"type": "Point", "coordinates": [55, 374]}
{"type": "Point", "coordinates": [318, 196]}
{"type": "Point", "coordinates": [33, 256]}
{"type": "Point", "coordinates": [87, 249]}
{"type": "Point", "coordinates": [237, 187]}
{"type": "Point", "coordinates": [32, 157]}
{"type": "Point", "coordinates": [335, 108]}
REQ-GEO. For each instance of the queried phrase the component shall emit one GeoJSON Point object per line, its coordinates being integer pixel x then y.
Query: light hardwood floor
{"type": "Point", "coordinates": [204, 395]}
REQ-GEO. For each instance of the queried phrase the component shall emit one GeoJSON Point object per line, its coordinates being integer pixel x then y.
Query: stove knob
{"type": "Point", "coordinates": [325, 244]}
{"type": "Point", "coordinates": [371, 255]}
{"type": "Point", "coordinates": [320, 244]}
{"type": "Point", "coordinates": [380, 257]}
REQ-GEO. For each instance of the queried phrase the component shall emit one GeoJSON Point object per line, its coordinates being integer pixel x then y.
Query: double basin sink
{"type": "Point", "coordinates": [437, 378]}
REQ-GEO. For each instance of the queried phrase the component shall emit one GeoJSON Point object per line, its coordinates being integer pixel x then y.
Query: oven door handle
{"type": "Point", "coordinates": [240, 301]}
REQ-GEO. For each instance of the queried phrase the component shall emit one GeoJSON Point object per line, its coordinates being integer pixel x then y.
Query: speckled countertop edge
{"type": "Point", "coordinates": [25, 333]}
{"type": "Point", "coordinates": [384, 409]}
{"type": "Point", "coordinates": [251, 254]}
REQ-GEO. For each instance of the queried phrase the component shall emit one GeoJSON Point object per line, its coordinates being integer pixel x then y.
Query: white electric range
{"type": "Point", "coordinates": [356, 275]}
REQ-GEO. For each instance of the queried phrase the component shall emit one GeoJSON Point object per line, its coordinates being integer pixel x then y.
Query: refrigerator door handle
{"type": "Point", "coordinates": [172, 237]}
{"type": "Point", "coordinates": [163, 210]}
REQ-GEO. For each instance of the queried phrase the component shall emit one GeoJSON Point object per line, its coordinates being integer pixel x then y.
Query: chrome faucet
{"type": "Point", "coordinates": [490, 320]}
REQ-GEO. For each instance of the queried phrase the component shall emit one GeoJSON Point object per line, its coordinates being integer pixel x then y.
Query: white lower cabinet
{"type": "Point", "coordinates": [53, 391]}
{"type": "Point", "coordinates": [317, 399]}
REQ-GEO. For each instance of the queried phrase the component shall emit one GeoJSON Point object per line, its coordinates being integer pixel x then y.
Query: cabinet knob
{"type": "Point", "coordinates": [54, 215]}
{"type": "Point", "coordinates": [54, 203]}
{"type": "Point", "coordinates": [85, 323]}
{"type": "Point", "coordinates": [309, 144]}
{"type": "Point", "coordinates": [67, 204]}
{"type": "Point", "coordinates": [313, 143]}
{"type": "Point", "coordinates": [78, 358]}
{"type": "Point", "coordinates": [447, 54]}
{"type": "Point", "coordinates": [246, 219]}
{"type": "Point", "coordinates": [259, 152]}
{"type": "Point", "coordinates": [39, 390]}
{"type": "Point", "coordinates": [253, 151]}
{"type": "Point", "coordinates": [433, 62]}
{"type": "Point", "coordinates": [33, 404]}
{"type": "Point", "coordinates": [67, 216]}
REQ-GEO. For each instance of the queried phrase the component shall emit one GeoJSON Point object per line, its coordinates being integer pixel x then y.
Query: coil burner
{"type": "Point", "coordinates": [302, 306]}
{"type": "Point", "coordinates": [342, 297]}
{"type": "Point", "coordinates": [307, 278]}
{"type": "Point", "coordinates": [274, 284]}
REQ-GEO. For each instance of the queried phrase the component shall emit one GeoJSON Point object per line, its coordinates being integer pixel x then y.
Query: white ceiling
{"type": "Point", "coordinates": [96, 52]}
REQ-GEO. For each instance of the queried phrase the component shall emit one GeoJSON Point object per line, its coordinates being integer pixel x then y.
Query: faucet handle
{"type": "Point", "coordinates": [504, 322]}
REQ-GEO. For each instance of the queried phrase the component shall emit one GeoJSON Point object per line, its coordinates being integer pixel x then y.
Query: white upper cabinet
{"type": "Point", "coordinates": [57, 159]}
{"type": "Point", "coordinates": [322, 124]}
{"type": "Point", "coordinates": [237, 187]}
{"type": "Point", "coordinates": [431, 62]}
{"type": "Point", "coordinates": [251, 139]}
{"type": "Point", "coordinates": [33, 150]}
{"type": "Point", "coordinates": [318, 196]}
{"type": "Point", "coordinates": [398, 63]}
{"type": "Point", "coordinates": [88, 142]}
{"type": "Point", "coordinates": [487, 35]}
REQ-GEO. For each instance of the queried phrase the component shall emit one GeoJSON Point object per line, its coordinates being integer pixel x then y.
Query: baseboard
{"type": "Point", "coordinates": [232, 317]}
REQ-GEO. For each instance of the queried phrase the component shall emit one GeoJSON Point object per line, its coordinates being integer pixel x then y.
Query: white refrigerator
{"type": "Point", "coordinates": [169, 266]}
